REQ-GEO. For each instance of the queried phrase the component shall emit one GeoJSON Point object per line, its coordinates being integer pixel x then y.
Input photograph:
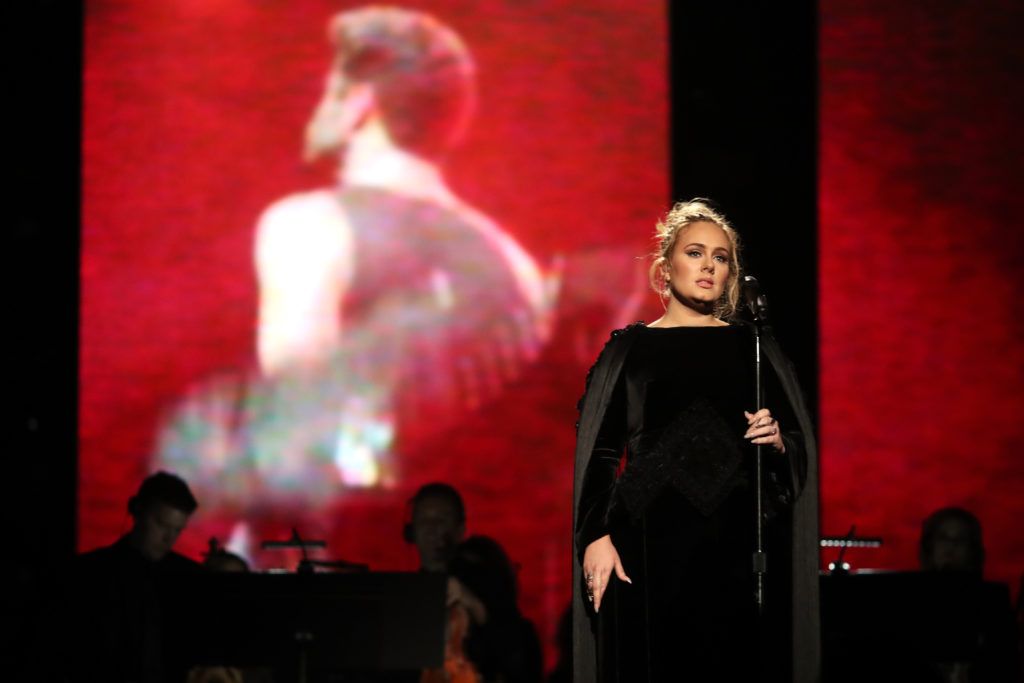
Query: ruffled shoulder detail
{"type": "Point", "coordinates": [612, 339]}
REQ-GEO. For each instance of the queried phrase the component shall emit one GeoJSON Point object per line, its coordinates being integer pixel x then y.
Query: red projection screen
{"type": "Point", "coordinates": [216, 341]}
{"type": "Point", "coordinates": [920, 260]}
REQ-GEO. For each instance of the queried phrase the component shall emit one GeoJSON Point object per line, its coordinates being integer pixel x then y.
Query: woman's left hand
{"type": "Point", "coordinates": [762, 428]}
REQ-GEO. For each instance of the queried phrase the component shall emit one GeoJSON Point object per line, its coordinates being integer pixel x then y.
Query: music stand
{"type": "Point", "coordinates": [903, 623]}
{"type": "Point", "coordinates": [316, 624]}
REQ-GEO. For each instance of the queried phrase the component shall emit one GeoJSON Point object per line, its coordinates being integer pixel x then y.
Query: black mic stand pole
{"type": "Point", "coordinates": [759, 309]}
{"type": "Point", "coordinates": [760, 557]}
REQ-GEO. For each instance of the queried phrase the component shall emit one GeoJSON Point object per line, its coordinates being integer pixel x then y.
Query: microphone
{"type": "Point", "coordinates": [756, 300]}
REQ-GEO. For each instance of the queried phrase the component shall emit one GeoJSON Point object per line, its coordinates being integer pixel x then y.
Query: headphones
{"type": "Point", "coordinates": [135, 506]}
{"type": "Point", "coordinates": [408, 534]}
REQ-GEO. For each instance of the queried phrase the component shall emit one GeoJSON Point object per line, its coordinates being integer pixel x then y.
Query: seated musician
{"type": "Point", "coordinates": [115, 612]}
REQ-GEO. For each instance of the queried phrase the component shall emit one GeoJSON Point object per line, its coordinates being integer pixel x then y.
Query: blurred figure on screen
{"type": "Point", "coordinates": [389, 271]}
{"type": "Point", "coordinates": [388, 306]}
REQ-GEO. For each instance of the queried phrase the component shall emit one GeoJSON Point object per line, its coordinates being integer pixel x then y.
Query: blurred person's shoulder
{"type": "Point", "coordinates": [103, 555]}
{"type": "Point", "coordinates": [177, 563]}
{"type": "Point", "coordinates": [297, 206]}
{"type": "Point", "coordinates": [304, 221]}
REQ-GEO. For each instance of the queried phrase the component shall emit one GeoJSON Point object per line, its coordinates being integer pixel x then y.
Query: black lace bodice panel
{"type": "Point", "coordinates": [686, 389]}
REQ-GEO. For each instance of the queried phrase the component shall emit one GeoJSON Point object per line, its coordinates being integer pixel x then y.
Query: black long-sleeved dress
{"type": "Point", "coordinates": [680, 512]}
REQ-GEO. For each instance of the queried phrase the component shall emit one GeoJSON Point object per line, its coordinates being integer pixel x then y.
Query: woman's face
{"type": "Point", "coordinates": [698, 267]}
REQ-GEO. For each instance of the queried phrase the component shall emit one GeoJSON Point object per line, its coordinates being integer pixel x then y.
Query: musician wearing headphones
{"type": "Point", "coordinates": [436, 524]}
{"type": "Point", "coordinates": [114, 606]}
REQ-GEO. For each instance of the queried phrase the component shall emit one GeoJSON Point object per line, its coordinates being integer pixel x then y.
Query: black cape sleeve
{"type": "Point", "coordinates": [600, 386]}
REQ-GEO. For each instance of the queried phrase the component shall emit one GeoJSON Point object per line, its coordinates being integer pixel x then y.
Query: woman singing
{"type": "Point", "coordinates": [664, 544]}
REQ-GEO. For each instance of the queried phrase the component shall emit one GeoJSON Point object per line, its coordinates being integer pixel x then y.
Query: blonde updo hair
{"type": "Point", "coordinates": [666, 236]}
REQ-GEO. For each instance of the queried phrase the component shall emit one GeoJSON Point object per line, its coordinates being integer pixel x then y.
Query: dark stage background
{"type": "Point", "coordinates": [874, 186]}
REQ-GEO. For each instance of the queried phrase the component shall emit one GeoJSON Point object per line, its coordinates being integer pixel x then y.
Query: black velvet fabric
{"type": "Point", "coordinates": [696, 454]}
{"type": "Point", "coordinates": [112, 627]}
{"type": "Point", "coordinates": [681, 513]}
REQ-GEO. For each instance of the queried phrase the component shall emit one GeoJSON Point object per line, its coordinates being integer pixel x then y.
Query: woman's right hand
{"type": "Point", "coordinates": [600, 559]}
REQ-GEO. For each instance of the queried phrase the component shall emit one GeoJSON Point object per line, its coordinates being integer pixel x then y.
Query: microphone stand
{"type": "Point", "coordinates": [296, 541]}
{"type": "Point", "coordinates": [760, 557]}
{"type": "Point", "coordinates": [844, 543]}
{"type": "Point", "coordinates": [303, 634]}
{"type": "Point", "coordinates": [759, 310]}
